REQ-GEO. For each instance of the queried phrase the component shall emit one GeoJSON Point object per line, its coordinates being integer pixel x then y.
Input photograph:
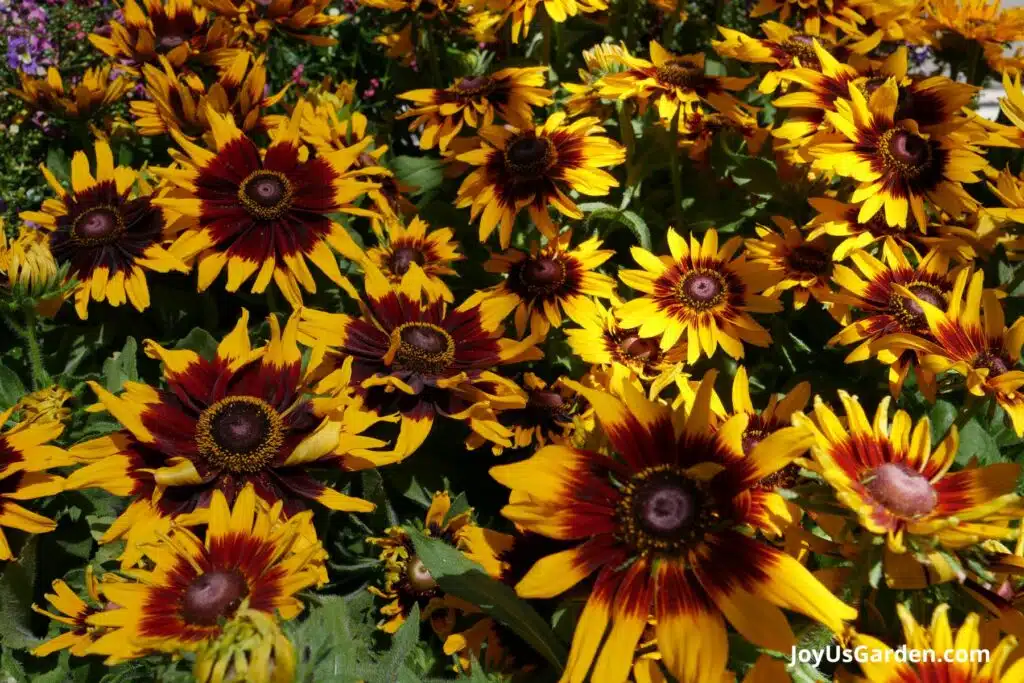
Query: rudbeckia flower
{"type": "Point", "coordinates": [179, 101]}
{"type": "Point", "coordinates": [601, 341]}
{"type": "Point", "coordinates": [897, 165]}
{"type": "Point", "coordinates": [699, 293]}
{"type": "Point", "coordinates": [417, 256]}
{"type": "Point", "coordinates": [534, 167]}
{"type": "Point", "coordinates": [74, 612]}
{"type": "Point", "coordinates": [543, 282]}
{"type": "Point", "coordinates": [246, 560]}
{"type": "Point", "coordinates": [264, 213]}
{"type": "Point", "coordinates": [45, 405]}
{"type": "Point", "coordinates": [886, 473]}
{"type": "Point", "coordinates": [407, 581]}
{"type": "Point", "coordinates": [179, 30]}
{"type": "Point", "coordinates": [106, 231]}
{"type": "Point", "coordinates": [957, 651]}
{"type": "Point", "coordinates": [673, 83]}
{"type": "Point", "coordinates": [816, 16]}
{"type": "Point", "coordinates": [25, 457]}
{"type": "Point", "coordinates": [257, 18]}
{"type": "Point", "coordinates": [969, 336]}
{"type": "Point", "coordinates": [585, 97]}
{"type": "Point", "coordinates": [661, 529]}
{"type": "Point", "coordinates": [698, 130]}
{"type": "Point", "coordinates": [981, 22]}
{"type": "Point", "coordinates": [474, 101]}
{"type": "Point", "coordinates": [93, 92]}
{"type": "Point", "coordinates": [242, 417]}
{"type": "Point", "coordinates": [522, 12]}
{"type": "Point", "coordinates": [26, 261]}
{"type": "Point", "coordinates": [883, 310]}
{"type": "Point", "coordinates": [551, 415]}
{"type": "Point", "coordinates": [803, 265]}
{"type": "Point", "coordinates": [420, 360]}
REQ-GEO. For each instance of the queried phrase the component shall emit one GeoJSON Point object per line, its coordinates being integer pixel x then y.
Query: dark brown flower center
{"type": "Point", "coordinates": [266, 194]}
{"type": "Point", "coordinates": [801, 47]}
{"type": "Point", "coordinates": [786, 478]}
{"type": "Point", "coordinates": [419, 577]}
{"type": "Point", "coordinates": [639, 348]}
{"type": "Point", "coordinates": [239, 434]}
{"type": "Point", "coordinates": [528, 156]}
{"type": "Point", "coordinates": [751, 438]}
{"type": "Point", "coordinates": [547, 400]}
{"type": "Point", "coordinates": [996, 364]}
{"type": "Point", "coordinates": [403, 257]}
{"type": "Point", "coordinates": [98, 225]}
{"type": "Point", "coordinates": [702, 289]}
{"type": "Point", "coordinates": [171, 41]}
{"type": "Point", "coordinates": [474, 86]}
{"type": "Point", "coordinates": [909, 312]}
{"type": "Point", "coordinates": [213, 596]}
{"type": "Point", "coordinates": [422, 348]}
{"type": "Point", "coordinates": [542, 275]}
{"type": "Point", "coordinates": [685, 77]}
{"type": "Point", "coordinates": [901, 490]}
{"type": "Point", "coordinates": [808, 259]}
{"type": "Point", "coordinates": [905, 152]}
{"type": "Point", "coordinates": [660, 509]}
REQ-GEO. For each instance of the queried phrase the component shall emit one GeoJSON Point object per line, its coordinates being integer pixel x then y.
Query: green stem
{"type": "Point", "coordinates": [973, 407]}
{"type": "Point", "coordinates": [1018, 278]}
{"type": "Point", "coordinates": [628, 138]}
{"type": "Point", "coordinates": [549, 30]}
{"type": "Point", "coordinates": [668, 31]}
{"type": "Point", "coordinates": [40, 377]}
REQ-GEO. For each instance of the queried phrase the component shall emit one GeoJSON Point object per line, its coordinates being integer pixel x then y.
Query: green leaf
{"type": "Point", "coordinates": [11, 669]}
{"type": "Point", "coordinates": [975, 441]}
{"type": "Point", "coordinates": [17, 586]}
{"type": "Point", "coordinates": [463, 578]}
{"type": "Point", "coordinates": [328, 646]}
{"type": "Point", "coordinates": [200, 341]}
{"type": "Point", "coordinates": [599, 211]}
{"type": "Point", "coordinates": [57, 162]}
{"type": "Point", "coordinates": [423, 173]}
{"type": "Point", "coordinates": [11, 388]}
{"type": "Point", "coordinates": [121, 367]}
{"type": "Point", "coordinates": [942, 415]}
{"type": "Point", "coordinates": [402, 645]}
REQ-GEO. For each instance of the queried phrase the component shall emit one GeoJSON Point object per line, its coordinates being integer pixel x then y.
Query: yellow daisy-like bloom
{"type": "Point", "coordinates": [45, 405]}
{"type": "Point", "coordinates": [179, 101]}
{"type": "Point", "coordinates": [533, 168]}
{"type": "Point", "coordinates": [816, 16]}
{"type": "Point", "coordinates": [474, 102]}
{"type": "Point", "coordinates": [323, 125]}
{"type": "Point", "coordinates": [257, 18]}
{"type": "Point", "coordinates": [701, 293]}
{"type": "Point", "coordinates": [179, 30]}
{"type": "Point", "coordinates": [969, 336]}
{"type": "Point", "coordinates": [886, 472]}
{"type": "Point", "coordinates": [585, 97]}
{"type": "Point", "coordinates": [982, 22]}
{"type": "Point", "coordinates": [106, 231]}
{"type": "Point", "coordinates": [660, 522]}
{"type": "Point", "coordinates": [73, 612]}
{"type": "Point", "coordinates": [803, 265]}
{"type": "Point", "coordinates": [248, 559]}
{"type": "Point", "coordinates": [407, 581]}
{"type": "Point", "coordinates": [785, 47]}
{"type": "Point", "coordinates": [414, 258]}
{"type": "Point", "coordinates": [551, 415]}
{"type": "Point", "coordinates": [956, 653]}
{"type": "Point", "coordinates": [884, 310]}
{"type": "Point", "coordinates": [544, 282]}
{"type": "Point", "coordinates": [25, 457]}
{"type": "Point", "coordinates": [698, 130]}
{"type": "Point", "coordinates": [418, 359]}
{"type": "Point", "coordinates": [522, 12]}
{"type": "Point", "coordinates": [897, 165]}
{"type": "Point", "coordinates": [95, 91]}
{"type": "Point", "coordinates": [263, 213]}
{"type": "Point", "coordinates": [26, 261]}
{"type": "Point", "coordinates": [245, 416]}
{"type": "Point", "coordinates": [600, 340]}
{"type": "Point", "coordinates": [673, 83]}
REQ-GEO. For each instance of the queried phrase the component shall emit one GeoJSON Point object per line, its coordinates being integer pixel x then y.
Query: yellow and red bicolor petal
{"type": "Point", "coordinates": [690, 630]}
{"type": "Point", "coordinates": [630, 611]}
{"type": "Point", "coordinates": [557, 573]}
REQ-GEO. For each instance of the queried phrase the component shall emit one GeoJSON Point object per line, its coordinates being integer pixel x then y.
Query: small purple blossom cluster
{"type": "Point", "coordinates": [24, 31]}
